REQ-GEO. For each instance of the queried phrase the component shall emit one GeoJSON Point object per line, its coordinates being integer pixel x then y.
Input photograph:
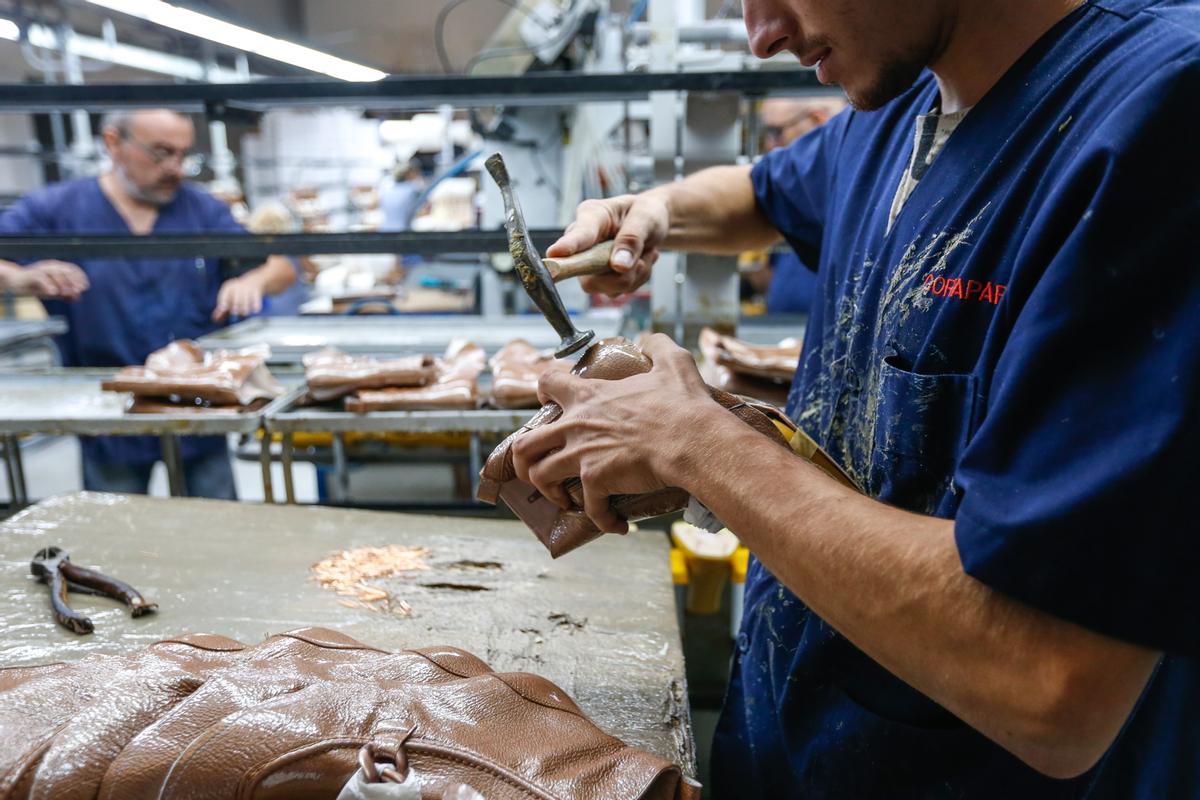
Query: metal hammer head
{"type": "Point", "coordinates": [536, 279]}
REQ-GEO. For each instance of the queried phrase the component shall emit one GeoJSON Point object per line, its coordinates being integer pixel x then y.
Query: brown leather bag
{"type": "Point", "coordinates": [79, 715]}
{"type": "Point", "coordinates": [563, 531]}
{"type": "Point", "coordinates": [204, 717]}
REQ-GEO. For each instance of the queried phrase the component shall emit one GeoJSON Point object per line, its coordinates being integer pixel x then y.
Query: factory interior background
{"type": "Point", "coordinates": [292, 354]}
{"type": "Point", "coordinates": [409, 162]}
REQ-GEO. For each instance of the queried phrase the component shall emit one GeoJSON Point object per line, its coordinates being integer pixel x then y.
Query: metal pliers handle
{"type": "Point", "coordinates": [53, 567]}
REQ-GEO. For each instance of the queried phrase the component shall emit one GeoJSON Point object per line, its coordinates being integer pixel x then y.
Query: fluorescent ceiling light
{"type": "Point", "coordinates": [123, 54]}
{"type": "Point", "coordinates": [235, 36]}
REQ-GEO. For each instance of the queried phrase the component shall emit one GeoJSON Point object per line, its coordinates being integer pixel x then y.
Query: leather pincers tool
{"type": "Point", "coordinates": [538, 276]}
{"type": "Point", "coordinates": [53, 566]}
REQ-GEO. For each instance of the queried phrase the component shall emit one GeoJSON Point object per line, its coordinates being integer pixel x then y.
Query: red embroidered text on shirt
{"type": "Point", "coordinates": [979, 291]}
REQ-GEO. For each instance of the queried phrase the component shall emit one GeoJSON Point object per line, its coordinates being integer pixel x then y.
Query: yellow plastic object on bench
{"type": "Point", "coordinates": [679, 570]}
{"type": "Point", "coordinates": [707, 558]}
{"type": "Point", "coordinates": [738, 565]}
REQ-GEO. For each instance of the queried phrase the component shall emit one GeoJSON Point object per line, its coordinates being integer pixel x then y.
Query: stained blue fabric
{"type": "Point", "coordinates": [1021, 353]}
{"type": "Point", "coordinates": [134, 305]}
{"type": "Point", "coordinates": [792, 286]}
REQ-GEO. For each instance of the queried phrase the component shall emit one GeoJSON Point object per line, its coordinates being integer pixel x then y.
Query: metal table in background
{"type": "Point", "coordinates": [772, 328]}
{"type": "Point", "coordinates": [291, 337]}
{"type": "Point", "coordinates": [600, 623]}
{"type": "Point", "coordinates": [70, 402]}
{"type": "Point", "coordinates": [289, 420]}
{"type": "Point", "coordinates": [18, 337]}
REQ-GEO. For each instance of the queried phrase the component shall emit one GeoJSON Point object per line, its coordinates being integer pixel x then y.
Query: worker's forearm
{"type": "Point", "coordinates": [9, 272]}
{"type": "Point", "coordinates": [274, 275]}
{"type": "Point", "coordinates": [1051, 692]}
{"type": "Point", "coordinates": [714, 211]}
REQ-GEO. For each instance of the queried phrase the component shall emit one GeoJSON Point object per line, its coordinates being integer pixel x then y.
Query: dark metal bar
{"type": "Point", "coordinates": [341, 468]}
{"type": "Point", "coordinates": [289, 488]}
{"type": "Point", "coordinates": [235, 245]}
{"type": "Point", "coordinates": [475, 463]}
{"type": "Point", "coordinates": [406, 91]}
{"type": "Point", "coordinates": [11, 454]}
{"type": "Point", "coordinates": [18, 467]}
{"type": "Point", "coordinates": [173, 460]}
{"type": "Point", "coordinates": [264, 460]}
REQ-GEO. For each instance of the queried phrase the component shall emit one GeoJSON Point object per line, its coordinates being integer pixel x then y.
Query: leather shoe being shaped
{"type": "Point", "coordinates": [563, 531]}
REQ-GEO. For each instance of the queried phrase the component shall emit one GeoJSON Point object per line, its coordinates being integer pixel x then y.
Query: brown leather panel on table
{"type": "Point", "coordinates": [456, 386]}
{"type": "Point", "coordinates": [331, 374]}
{"type": "Point", "coordinates": [516, 369]}
{"type": "Point", "coordinates": [183, 370]}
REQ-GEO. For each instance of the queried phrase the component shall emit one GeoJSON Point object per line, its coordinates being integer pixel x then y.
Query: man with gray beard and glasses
{"type": "Point", "coordinates": [121, 309]}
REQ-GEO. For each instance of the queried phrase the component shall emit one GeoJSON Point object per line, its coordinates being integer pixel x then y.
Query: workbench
{"type": "Point", "coordinates": [386, 336]}
{"type": "Point", "coordinates": [66, 401]}
{"type": "Point", "coordinates": [772, 329]}
{"type": "Point", "coordinates": [292, 419]}
{"type": "Point", "coordinates": [599, 622]}
{"type": "Point", "coordinates": [18, 337]}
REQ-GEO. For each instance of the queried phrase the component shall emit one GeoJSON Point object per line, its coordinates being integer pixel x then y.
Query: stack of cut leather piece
{"type": "Point", "coordinates": [182, 376]}
{"type": "Point", "coordinates": [563, 531]}
{"type": "Point", "coordinates": [410, 383]}
{"type": "Point", "coordinates": [203, 716]}
{"type": "Point", "coordinates": [515, 372]}
{"type": "Point", "coordinates": [763, 372]}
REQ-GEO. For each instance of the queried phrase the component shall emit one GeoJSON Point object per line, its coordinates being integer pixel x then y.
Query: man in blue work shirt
{"type": "Point", "coordinates": [134, 306]}
{"type": "Point", "coordinates": [1004, 355]}
{"type": "Point", "coordinates": [791, 284]}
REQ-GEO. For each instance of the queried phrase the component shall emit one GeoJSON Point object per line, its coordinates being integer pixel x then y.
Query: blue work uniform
{"type": "Point", "coordinates": [792, 286]}
{"type": "Point", "coordinates": [134, 305]}
{"type": "Point", "coordinates": [399, 204]}
{"type": "Point", "coordinates": [1019, 353]}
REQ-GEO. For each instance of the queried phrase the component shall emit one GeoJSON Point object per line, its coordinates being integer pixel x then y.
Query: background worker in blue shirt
{"type": "Point", "coordinates": [789, 283]}
{"type": "Point", "coordinates": [1004, 354]}
{"type": "Point", "coordinates": [133, 306]}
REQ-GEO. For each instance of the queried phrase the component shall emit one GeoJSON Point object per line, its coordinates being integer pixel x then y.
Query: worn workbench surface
{"type": "Point", "coordinates": [66, 401]}
{"type": "Point", "coordinates": [599, 622]}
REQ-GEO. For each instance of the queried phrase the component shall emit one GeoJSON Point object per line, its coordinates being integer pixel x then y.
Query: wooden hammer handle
{"type": "Point", "coordinates": [593, 261]}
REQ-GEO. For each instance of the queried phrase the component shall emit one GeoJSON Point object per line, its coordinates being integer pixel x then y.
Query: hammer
{"type": "Point", "coordinates": [538, 276]}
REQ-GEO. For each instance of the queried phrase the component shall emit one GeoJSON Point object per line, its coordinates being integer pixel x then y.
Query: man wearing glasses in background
{"type": "Point", "coordinates": [122, 309]}
{"type": "Point", "coordinates": [787, 282]}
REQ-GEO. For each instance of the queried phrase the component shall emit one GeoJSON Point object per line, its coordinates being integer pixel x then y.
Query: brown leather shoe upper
{"type": "Point", "coordinates": [563, 531]}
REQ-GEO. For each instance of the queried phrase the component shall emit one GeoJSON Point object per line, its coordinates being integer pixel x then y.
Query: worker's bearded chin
{"type": "Point", "coordinates": [899, 71]}
{"type": "Point", "coordinates": [151, 197]}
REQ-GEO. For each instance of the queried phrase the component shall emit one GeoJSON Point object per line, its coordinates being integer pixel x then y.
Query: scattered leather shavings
{"type": "Point", "coordinates": [347, 574]}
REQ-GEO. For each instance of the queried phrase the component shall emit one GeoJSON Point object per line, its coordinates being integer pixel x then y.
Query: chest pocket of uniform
{"type": "Point", "coordinates": [922, 425]}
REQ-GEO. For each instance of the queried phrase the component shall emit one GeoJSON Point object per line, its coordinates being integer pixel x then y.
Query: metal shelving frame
{"type": "Point", "coordinates": [241, 100]}
{"type": "Point", "coordinates": [224, 100]}
{"type": "Point", "coordinates": [406, 91]}
{"type": "Point", "coordinates": [238, 245]}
